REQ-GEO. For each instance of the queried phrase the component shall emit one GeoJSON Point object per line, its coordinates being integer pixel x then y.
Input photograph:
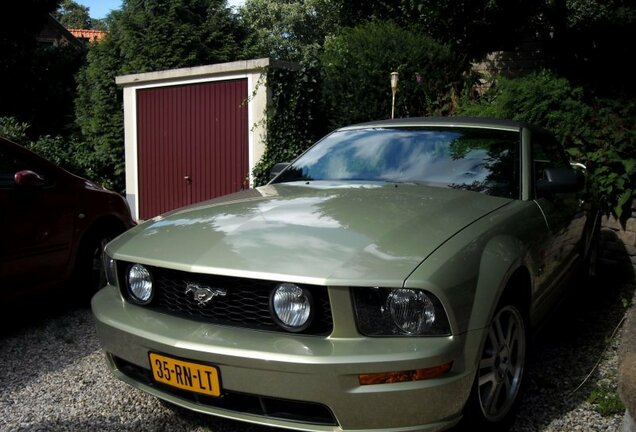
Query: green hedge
{"type": "Point", "coordinates": [356, 66]}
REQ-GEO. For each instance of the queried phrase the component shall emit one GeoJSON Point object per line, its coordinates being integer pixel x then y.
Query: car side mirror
{"type": "Point", "coordinates": [278, 168]}
{"type": "Point", "coordinates": [579, 166]}
{"type": "Point", "coordinates": [561, 180]}
{"type": "Point", "coordinates": [28, 179]}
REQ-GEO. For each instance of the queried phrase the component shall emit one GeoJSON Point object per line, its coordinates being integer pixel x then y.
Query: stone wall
{"type": "Point", "coordinates": [618, 243]}
{"type": "Point", "coordinates": [618, 253]}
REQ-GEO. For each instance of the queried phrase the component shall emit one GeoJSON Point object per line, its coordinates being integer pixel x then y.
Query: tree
{"type": "Point", "coordinates": [600, 133]}
{"type": "Point", "coordinates": [144, 36]}
{"type": "Point", "coordinates": [472, 27]}
{"type": "Point", "coordinates": [589, 41]}
{"type": "Point", "coordinates": [73, 15]}
{"type": "Point", "coordinates": [295, 29]}
{"type": "Point", "coordinates": [356, 12]}
{"type": "Point", "coordinates": [289, 30]}
{"type": "Point", "coordinates": [38, 79]}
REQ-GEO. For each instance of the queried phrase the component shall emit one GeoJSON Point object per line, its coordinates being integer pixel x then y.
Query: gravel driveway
{"type": "Point", "coordinates": [54, 377]}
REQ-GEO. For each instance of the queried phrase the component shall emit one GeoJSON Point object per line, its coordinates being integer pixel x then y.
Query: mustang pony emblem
{"type": "Point", "coordinates": [203, 294]}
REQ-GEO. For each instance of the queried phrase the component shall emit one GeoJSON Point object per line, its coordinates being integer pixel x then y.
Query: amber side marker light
{"type": "Point", "coordinates": [402, 376]}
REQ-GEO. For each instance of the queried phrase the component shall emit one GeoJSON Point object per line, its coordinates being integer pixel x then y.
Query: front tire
{"type": "Point", "coordinates": [497, 389]}
{"type": "Point", "coordinates": [89, 269]}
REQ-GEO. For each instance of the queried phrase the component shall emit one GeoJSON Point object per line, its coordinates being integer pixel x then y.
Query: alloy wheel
{"type": "Point", "coordinates": [502, 363]}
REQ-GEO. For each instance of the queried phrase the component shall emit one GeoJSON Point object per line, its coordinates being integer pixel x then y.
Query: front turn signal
{"type": "Point", "coordinates": [403, 376]}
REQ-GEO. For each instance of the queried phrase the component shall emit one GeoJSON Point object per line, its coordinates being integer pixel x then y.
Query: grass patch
{"type": "Point", "coordinates": [606, 401]}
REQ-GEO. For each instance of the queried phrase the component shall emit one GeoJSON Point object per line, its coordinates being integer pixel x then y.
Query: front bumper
{"type": "Point", "coordinates": [303, 370]}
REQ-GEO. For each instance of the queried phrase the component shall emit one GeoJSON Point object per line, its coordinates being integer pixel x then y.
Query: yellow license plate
{"type": "Point", "coordinates": [185, 375]}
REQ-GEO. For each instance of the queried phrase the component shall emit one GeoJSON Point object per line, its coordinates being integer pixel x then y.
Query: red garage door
{"type": "Point", "coordinates": [192, 143]}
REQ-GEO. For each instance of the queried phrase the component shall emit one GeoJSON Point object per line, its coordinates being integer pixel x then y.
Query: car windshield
{"type": "Point", "coordinates": [482, 160]}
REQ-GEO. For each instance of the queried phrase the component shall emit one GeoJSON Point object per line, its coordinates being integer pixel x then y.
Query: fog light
{"type": "Point", "coordinates": [140, 284]}
{"type": "Point", "coordinates": [412, 311]}
{"type": "Point", "coordinates": [292, 307]}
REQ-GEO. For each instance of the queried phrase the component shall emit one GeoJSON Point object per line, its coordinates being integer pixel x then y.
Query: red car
{"type": "Point", "coordinates": [54, 225]}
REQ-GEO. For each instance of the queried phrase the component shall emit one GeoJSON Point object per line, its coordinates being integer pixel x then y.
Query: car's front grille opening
{"type": "Point", "coordinates": [283, 409]}
{"type": "Point", "coordinates": [245, 302]}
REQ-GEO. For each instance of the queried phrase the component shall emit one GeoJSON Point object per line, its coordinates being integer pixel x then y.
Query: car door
{"type": "Point", "coordinates": [37, 223]}
{"type": "Point", "coordinates": [565, 216]}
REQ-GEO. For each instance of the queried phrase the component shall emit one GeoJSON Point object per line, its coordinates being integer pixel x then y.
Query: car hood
{"type": "Point", "coordinates": [322, 233]}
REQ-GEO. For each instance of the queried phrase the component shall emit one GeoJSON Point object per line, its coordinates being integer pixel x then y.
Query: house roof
{"type": "Point", "coordinates": [90, 34]}
{"type": "Point", "coordinates": [54, 33]}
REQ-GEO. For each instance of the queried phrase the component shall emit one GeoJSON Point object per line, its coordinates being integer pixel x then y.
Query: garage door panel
{"type": "Point", "coordinates": [192, 143]}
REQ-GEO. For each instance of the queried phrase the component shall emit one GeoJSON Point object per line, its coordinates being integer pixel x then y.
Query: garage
{"type": "Point", "coordinates": [192, 134]}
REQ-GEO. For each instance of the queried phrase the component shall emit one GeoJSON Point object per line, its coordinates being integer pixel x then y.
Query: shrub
{"type": "Point", "coordinates": [13, 129]}
{"type": "Point", "coordinates": [62, 152]}
{"type": "Point", "coordinates": [66, 152]}
{"type": "Point", "coordinates": [356, 68]}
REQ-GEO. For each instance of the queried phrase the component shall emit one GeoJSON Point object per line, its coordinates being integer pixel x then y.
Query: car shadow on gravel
{"type": "Point", "coordinates": [563, 366]}
{"type": "Point", "coordinates": [33, 311]}
{"type": "Point", "coordinates": [203, 424]}
{"type": "Point", "coordinates": [42, 336]}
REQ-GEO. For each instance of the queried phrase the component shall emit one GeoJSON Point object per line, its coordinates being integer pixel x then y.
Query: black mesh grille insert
{"type": "Point", "coordinates": [304, 412]}
{"type": "Point", "coordinates": [245, 303]}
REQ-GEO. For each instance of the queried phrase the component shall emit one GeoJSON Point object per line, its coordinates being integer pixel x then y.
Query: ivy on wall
{"type": "Point", "coordinates": [293, 118]}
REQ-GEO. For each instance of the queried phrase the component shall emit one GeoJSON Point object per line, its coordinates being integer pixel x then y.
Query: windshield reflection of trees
{"type": "Point", "coordinates": [499, 165]}
{"type": "Point", "coordinates": [478, 160]}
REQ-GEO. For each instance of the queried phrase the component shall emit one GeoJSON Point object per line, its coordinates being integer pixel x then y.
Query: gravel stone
{"type": "Point", "coordinates": [54, 376]}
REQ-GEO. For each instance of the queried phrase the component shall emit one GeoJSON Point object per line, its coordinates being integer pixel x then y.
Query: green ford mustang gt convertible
{"type": "Point", "coordinates": [388, 279]}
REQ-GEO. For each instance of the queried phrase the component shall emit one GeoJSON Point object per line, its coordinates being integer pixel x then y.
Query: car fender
{"type": "Point", "coordinates": [502, 257]}
{"type": "Point", "coordinates": [474, 279]}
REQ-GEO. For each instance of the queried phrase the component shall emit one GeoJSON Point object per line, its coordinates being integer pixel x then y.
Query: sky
{"type": "Point", "coordinates": [100, 8]}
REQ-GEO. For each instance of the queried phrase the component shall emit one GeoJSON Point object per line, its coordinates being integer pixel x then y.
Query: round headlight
{"type": "Point", "coordinates": [140, 283]}
{"type": "Point", "coordinates": [412, 311]}
{"type": "Point", "coordinates": [292, 307]}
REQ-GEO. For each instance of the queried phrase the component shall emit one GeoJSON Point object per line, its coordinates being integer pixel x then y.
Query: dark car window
{"type": "Point", "coordinates": [546, 153]}
{"type": "Point", "coordinates": [12, 161]}
{"type": "Point", "coordinates": [481, 160]}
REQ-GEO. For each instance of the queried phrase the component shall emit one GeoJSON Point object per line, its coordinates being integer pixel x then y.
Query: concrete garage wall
{"type": "Point", "coordinates": [618, 252]}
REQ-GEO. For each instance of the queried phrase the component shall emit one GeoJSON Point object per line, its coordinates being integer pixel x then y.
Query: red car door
{"type": "Point", "coordinates": [37, 219]}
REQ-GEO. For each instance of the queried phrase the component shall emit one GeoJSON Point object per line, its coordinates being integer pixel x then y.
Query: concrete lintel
{"type": "Point", "coordinates": [237, 67]}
